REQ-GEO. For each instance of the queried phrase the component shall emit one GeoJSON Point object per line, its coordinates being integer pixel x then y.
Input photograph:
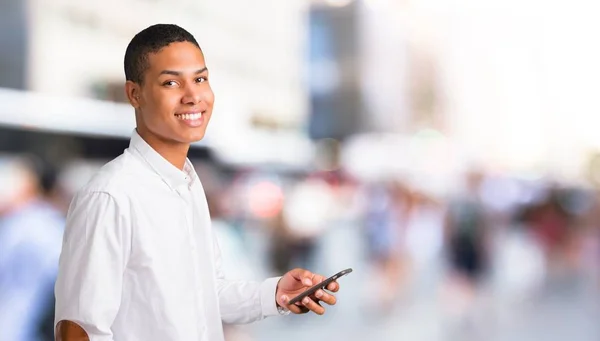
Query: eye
{"type": "Point", "coordinates": [201, 79]}
{"type": "Point", "coordinates": [170, 83]}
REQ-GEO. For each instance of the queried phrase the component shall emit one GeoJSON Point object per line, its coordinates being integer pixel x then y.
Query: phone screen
{"type": "Point", "coordinates": [321, 285]}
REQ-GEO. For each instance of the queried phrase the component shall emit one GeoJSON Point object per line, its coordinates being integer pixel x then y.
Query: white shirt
{"type": "Point", "coordinates": [140, 261]}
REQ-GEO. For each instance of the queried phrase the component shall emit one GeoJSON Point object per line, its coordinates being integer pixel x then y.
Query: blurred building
{"type": "Point", "coordinates": [385, 71]}
{"type": "Point", "coordinates": [13, 19]}
{"type": "Point", "coordinates": [358, 71]}
{"type": "Point", "coordinates": [334, 71]}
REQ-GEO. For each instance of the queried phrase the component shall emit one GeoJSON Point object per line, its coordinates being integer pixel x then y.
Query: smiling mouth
{"type": "Point", "coordinates": [190, 117]}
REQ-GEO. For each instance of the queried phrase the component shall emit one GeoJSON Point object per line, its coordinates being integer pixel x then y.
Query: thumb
{"type": "Point", "coordinates": [303, 276]}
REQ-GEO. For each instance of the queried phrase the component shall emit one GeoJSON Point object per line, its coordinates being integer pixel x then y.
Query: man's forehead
{"type": "Point", "coordinates": [179, 60]}
{"type": "Point", "coordinates": [181, 72]}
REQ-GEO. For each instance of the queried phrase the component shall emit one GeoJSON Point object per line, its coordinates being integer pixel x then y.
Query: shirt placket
{"type": "Point", "coordinates": [186, 195]}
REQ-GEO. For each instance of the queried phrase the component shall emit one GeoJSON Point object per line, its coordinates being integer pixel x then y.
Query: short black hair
{"type": "Point", "coordinates": [151, 40]}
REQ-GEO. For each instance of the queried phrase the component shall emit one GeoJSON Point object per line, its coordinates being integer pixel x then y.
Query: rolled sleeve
{"type": "Point", "coordinates": [95, 252]}
{"type": "Point", "coordinates": [268, 289]}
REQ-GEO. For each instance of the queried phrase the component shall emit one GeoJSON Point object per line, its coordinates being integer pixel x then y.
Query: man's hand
{"type": "Point", "coordinates": [296, 282]}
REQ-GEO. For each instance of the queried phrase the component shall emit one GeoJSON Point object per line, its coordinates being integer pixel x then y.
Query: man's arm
{"type": "Point", "coordinates": [244, 301]}
{"type": "Point", "coordinates": [96, 247]}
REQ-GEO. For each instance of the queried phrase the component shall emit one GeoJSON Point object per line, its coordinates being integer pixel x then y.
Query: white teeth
{"type": "Point", "coordinates": [189, 116]}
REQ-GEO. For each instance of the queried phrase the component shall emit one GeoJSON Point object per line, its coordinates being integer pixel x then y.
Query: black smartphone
{"type": "Point", "coordinates": [321, 285]}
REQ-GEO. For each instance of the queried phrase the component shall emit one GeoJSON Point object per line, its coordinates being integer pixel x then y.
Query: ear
{"type": "Point", "coordinates": [133, 92]}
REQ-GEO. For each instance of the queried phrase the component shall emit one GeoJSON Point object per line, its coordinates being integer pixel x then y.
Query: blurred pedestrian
{"type": "Point", "coordinates": [30, 241]}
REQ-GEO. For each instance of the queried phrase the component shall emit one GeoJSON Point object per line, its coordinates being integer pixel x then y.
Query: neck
{"type": "Point", "coordinates": [174, 152]}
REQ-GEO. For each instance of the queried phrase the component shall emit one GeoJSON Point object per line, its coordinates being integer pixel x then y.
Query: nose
{"type": "Point", "coordinates": [192, 95]}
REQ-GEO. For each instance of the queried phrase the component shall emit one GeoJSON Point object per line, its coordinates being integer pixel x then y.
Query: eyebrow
{"type": "Point", "coordinates": [179, 73]}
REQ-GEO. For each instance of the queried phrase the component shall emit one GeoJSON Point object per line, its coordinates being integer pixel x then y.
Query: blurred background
{"type": "Point", "coordinates": [447, 151]}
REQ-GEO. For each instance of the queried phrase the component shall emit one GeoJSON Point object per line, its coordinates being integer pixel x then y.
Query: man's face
{"type": "Point", "coordinates": [175, 101]}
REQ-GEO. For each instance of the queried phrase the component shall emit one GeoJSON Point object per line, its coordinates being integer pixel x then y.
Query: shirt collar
{"type": "Point", "coordinates": [171, 175]}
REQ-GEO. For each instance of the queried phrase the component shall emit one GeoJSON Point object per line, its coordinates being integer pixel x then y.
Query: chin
{"type": "Point", "coordinates": [193, 137]}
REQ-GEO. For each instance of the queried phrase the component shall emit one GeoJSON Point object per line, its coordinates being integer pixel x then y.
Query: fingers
{"type": "Point", "coordinates": [333, 286]}
{"type": "Point", "coordinates": [309, 279]}
{"type": "Point", "coordinates": [297, 308]}
{"type": "Point", "coordinates": [325, 297]}
{"type": "Point", "coordinates": [313, 306]}
{"type": "Point", "coordinates": [307, 304]}
{"type": "Point", "coordinates": [283, 300]}
{"type": "Point", "coordinates": [303, 275]}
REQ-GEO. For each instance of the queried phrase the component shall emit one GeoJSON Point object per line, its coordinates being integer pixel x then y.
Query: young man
{"type": "Point", "coordinates": [139, 259]}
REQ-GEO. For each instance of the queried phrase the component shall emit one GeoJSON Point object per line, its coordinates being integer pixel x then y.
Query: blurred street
{"type": "Point", "coordinates": [568, 306]}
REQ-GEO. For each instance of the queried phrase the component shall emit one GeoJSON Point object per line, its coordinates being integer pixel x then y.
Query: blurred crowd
{"type": "Point", "coordinates": [495, 235]}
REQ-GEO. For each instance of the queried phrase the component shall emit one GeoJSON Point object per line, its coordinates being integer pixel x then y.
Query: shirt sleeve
{"type": "Point", "coordinates": [95, 251]}
{"type": "Point", "coordinates": [244, 301]}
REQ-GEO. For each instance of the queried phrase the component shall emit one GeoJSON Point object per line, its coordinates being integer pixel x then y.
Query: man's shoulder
{"type": "Point", "coordinates": [116, 176]}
